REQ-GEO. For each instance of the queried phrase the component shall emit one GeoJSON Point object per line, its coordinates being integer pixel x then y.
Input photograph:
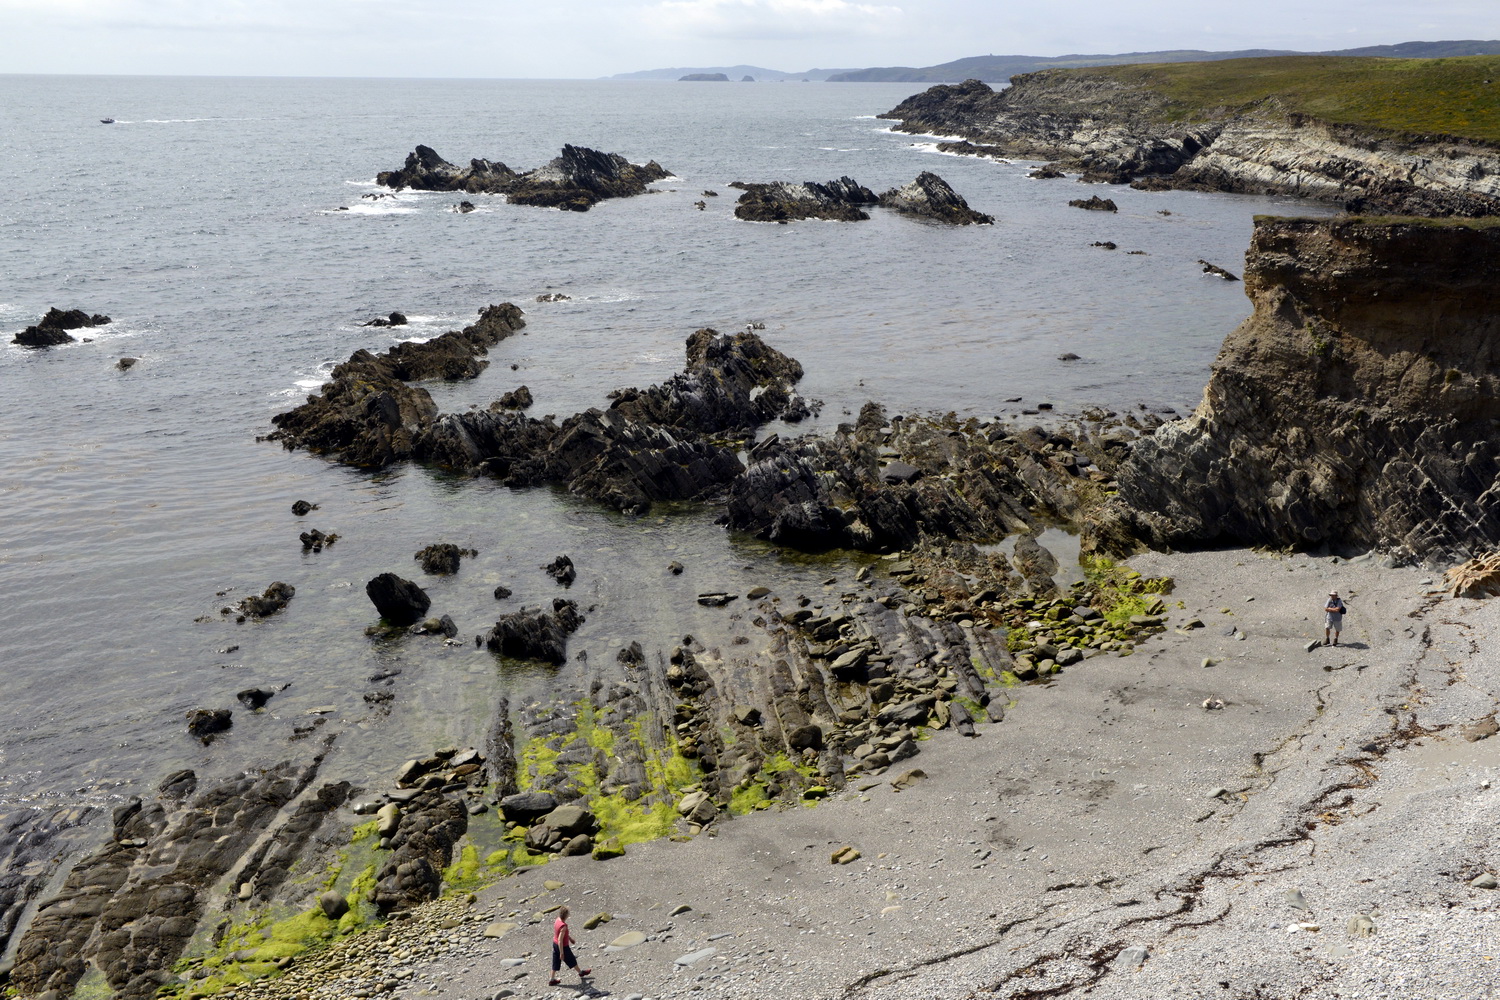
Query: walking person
{"type": "Point", "coordinates": [562, 949]}
{"type": "Point", "coordinates": [1333, 620]}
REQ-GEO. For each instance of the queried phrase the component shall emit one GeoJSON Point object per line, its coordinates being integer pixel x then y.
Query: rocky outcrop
{"type": "Point", "coordinates": [368, 415]}
{"type": "Point", "coordinates": [421, 848]}
{"type": "Point", "coordinates": [1356, 408]}
{"type": "Point", "coordinates": [576, 180]}
{"type": "Point", "coordinates": [398, 601]}
{"type": "Point", "coordinates": [842, 200]}
{"type": "Point", "coordinates": [532, 634]}
{"type": "Point", "coordinates": [1114, 128]}
{"type": "Point", "coordinates": [52, 329]}
{"type": "Point", "coordinates": [930, 197]}
{"type": "Point", "coordinates": [666, 442]}
{"type": "Point", "coordinates": [880, 486]}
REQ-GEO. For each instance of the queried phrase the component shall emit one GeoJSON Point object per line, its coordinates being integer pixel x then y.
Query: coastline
{"type": "Point", "coordinates": [1030, 860]}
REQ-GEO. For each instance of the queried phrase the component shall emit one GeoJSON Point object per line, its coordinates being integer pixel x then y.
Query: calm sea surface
{"type": "Point", "coordinates": [206, 222]}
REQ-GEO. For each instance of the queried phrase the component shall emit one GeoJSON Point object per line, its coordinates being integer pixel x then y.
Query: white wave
{"type": "Point", "coordinates": [373, 208]}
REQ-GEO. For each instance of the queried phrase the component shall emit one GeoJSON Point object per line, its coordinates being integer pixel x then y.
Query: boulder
{"type": "Point", "coordinates": [394, 319]}
{"type": "Point", "coordinates": [809, 737]}
{"type": "Point", "coordinates": [125, 364]}
{"type": "Point", "coordinates": [334, 904]}
{"type": "Point", "coordinates": [571, 820]}
{"type": "Point", "coordinates": [254, 698]}
{"type": "Point", "coordinates": [302, 508]}
{"type": "Point", "coordinates": [205, 723]}
{"type": "Point", "coordinates": [930, 197]}
{"type": "Point", "coordinates": [399, 601]}
{"type": "Point", "coordinates": [440, 559]}
{"type": "Point", "coordinates": [527, 807]}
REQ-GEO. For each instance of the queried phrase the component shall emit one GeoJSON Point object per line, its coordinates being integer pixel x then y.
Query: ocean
{"type": "Point", "coordinates": [209, 221]}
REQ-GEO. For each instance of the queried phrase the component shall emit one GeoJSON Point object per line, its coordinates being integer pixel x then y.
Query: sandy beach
{"type": "Point", "coordinates": [1314, 837]}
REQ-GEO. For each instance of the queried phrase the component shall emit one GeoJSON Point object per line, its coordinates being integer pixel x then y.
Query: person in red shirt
{"type": "Point", "coordinates": [562, 949]}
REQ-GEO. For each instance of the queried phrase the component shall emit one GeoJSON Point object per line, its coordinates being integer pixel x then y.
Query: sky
{"type": "Point", "coordinates": [584, 39]}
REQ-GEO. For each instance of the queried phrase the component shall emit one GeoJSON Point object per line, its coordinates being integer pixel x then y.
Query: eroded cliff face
{"type": "Point", "coordinates": [1117, 132]}
{"type": "Point", "coordinates": [1357, 407]}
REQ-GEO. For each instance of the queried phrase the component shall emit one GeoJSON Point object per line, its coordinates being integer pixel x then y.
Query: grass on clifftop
{"type": "Point", "coordinates": [1459, 97]}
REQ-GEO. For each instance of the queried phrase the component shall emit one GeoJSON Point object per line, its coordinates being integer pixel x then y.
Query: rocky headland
{"type": "Point", "coordinates": [1290, 126]}
{"type": "Point", "coordinates": [1356, 408]}
{"type": "Point", "coordinates": [575, 181]}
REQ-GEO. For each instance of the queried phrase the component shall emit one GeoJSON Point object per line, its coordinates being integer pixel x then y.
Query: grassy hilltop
{"type": "Point", "coordinates": [1459, 97]}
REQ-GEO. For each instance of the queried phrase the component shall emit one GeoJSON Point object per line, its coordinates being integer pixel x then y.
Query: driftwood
{"type": "Point", "coordinates": [1479, 577]}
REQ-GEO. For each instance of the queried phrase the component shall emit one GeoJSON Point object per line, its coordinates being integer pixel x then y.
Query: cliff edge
{"type": "Point", "coordinates": [1357, 407]}
{"type": "Point", "coordinates": [1393, 136]}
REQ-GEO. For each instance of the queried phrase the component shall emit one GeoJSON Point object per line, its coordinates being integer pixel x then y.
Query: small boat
{"type": "Point", "coordinates": [106, 121]}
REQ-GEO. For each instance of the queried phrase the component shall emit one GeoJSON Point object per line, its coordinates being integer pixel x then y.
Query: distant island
{"type": "Point", "coordinates": [705, 78]}
{"type": "Point", "coordinates": [746, 74]}
{"type": "Point", "coordinates": [999, 69]}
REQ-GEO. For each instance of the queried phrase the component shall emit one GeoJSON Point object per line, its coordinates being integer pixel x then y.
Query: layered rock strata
{"type": "Point", "coordinates": [576, 181]}
{"type": "Point", "coordinates": [131, 907]}
{"type": "Point", "coordinates": [1117, 131]}
{"type": "Point", "coordinates": [1357, 408]}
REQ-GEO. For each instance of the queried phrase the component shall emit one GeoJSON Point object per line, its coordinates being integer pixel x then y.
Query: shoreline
{"type": "Point", "coordinates": [1077, 829]}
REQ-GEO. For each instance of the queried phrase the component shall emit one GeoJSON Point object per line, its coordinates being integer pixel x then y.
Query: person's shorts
{"type": "Point", "coordinates": [1334, 621]}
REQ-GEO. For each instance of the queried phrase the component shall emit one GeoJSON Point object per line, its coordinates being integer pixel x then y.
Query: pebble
{"type": "Point", "coordinates": [694, 957]}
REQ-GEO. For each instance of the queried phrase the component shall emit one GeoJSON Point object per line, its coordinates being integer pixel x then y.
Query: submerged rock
{"type": "Point", "coordinates": [394, 319]}
{"type": "Point", "coordinates": [930, 197]}
{"type": "Point", "coordinates": [441, 558]}
{"type": "Point", "coordinates": [52, 329]}
{"type": "Point", "coordinates": [562, 570]}
{"type": "Point", "coordinates": [207, 722]}
{"type": "Point", "coordinates": [1095, 203]}
{"type": "Point", "coordinates": [277, 596]}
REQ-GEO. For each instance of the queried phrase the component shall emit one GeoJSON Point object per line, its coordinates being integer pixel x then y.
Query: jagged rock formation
{"type": "Point", "coordinates": [783, 201]}
{"type": "Point", "coordinates": [532, 634]}
{"type": "Point", "coordinates": [398, 601]}
{"type": "Point", "coordinates": [577, 180]}
{"type": "Point", "coordinates": [930, 197]}
{"type": "Point", "coordinates": [667, 442]}
{"type": "Point", "coordinates": [367, 415]}
{"type": "Point", "coordinates": [1357, 407]}
{"type": "Point", "coordinates": [52, 329]}
{"type": "Point", "coordinates": [1113, 128]}
{"type": "Point", "coordinates": [880, 487]}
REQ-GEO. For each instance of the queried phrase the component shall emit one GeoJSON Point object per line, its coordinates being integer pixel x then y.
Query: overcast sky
{"type": "Point", "coordinates": [593, 38]}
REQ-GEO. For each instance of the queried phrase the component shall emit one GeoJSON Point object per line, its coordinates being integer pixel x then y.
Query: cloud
{"type": "Point", "coordinates": [771, 20]}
